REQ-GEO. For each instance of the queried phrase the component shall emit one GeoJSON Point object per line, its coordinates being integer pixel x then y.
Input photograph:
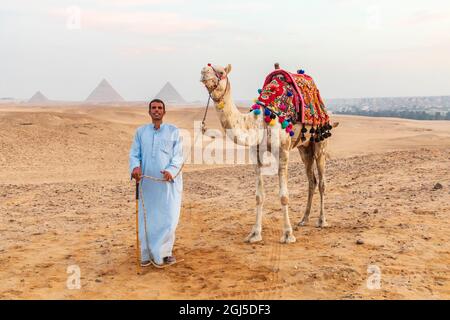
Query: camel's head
{"type": "Point", "coordinates": [215, 79]}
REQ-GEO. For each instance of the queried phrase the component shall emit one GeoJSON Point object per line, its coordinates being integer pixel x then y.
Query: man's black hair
{"type": "Point", "coordinates": [157, 100]}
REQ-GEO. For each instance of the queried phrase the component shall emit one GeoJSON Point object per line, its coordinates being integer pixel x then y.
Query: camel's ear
{"type": "Point", "coordinates": [228, 69]}
{"type": "Point", "coordinates": [335, 124]}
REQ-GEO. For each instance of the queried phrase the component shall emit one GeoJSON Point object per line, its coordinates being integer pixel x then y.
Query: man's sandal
{"type": "Point", "coordinates": [167, 261]}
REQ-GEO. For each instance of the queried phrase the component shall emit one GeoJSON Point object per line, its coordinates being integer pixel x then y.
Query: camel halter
{"type": "Point", "coordinates": [210, 97]}
{"type": "Point", "coordinates": [218, 77]}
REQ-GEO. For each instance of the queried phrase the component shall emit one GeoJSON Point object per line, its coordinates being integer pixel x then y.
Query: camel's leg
{"type": "Point", "coordinates": [255, 234]}
{"type": "Point", "coordinates": [288, 236]}
{"type": "Point", "coordinates": [308, 159]}
{"type": "Point", "coordinates": [320, 161]}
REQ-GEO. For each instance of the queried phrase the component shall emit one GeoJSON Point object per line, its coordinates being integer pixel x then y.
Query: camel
{"type": "Point", "coordinates": [216, 81]}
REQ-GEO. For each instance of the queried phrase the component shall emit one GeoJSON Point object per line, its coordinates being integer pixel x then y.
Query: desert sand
{"type": "Point", "coordinates": [66, 199]}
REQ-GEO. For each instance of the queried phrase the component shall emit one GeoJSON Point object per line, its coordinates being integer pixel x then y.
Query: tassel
{"type": "Point", "coordinates": [303, 131]}
{"type": "Point", "coordinates": [317, 139]}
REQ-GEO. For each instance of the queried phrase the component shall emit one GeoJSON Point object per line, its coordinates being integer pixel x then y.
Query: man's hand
{"type": "Point", "coordinates": [136, 174]}
{"type": "Point", "coordinates": [167, 175]}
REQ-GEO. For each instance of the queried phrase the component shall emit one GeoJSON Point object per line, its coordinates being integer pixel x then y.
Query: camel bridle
{"type": "Point", "coordinates": [227, 86]}
{"type": "Point", "coordinates": [218, 77]}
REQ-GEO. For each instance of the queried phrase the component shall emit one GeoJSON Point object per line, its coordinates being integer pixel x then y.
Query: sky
{"type": "Point", "coordinates": [352, 48]}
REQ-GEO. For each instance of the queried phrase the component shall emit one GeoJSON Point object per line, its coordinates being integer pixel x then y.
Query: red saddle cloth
{"type": "Point", "coordinates": [295, 96]}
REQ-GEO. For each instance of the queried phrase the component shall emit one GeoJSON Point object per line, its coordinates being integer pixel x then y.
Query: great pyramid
{"type": "Point", "coordinates": [104, 92]}
{"type": "Point", "coordinates": [38, 97]}
{"type": "Point", "coordinates": [170, 95]}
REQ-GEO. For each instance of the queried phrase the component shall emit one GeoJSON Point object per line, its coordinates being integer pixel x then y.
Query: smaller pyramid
{"type": "Point", "coordinates": [104, 92]}
{"type": "Point", "coordinates": [38, 97]}
{"type": "Point", "coordinates": [170, 95]}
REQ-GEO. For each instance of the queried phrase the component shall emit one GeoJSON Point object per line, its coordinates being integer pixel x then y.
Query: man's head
{"type": "Point", "coordinates": [156, 109]}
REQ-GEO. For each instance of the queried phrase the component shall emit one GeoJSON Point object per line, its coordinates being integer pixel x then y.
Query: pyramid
{"type": "Point", "coordinates": [170, 95]}
{"type": "Point", "coordinates": [104, 92]}
{"type": "Point", "coordinates": [38, 97]}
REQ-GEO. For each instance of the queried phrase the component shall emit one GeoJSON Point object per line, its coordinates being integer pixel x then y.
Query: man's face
{"type": "Point", "coordinates": [156, 111]}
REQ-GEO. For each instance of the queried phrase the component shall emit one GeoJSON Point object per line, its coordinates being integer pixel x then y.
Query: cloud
{"type": "Point", "coordinates": [148, 23]}
{"type": "Point", "coordinates": [139, 2]}
{"type": "Point", "coordinates": [146, 49]}
{"type": "Point", "coordinates": [424, 17]}
{"type": "Point", "coordinates": [243, 7]}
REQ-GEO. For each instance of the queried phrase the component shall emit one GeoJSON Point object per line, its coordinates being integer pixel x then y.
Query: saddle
{"type": "Point", "coordinates": [291, 98]}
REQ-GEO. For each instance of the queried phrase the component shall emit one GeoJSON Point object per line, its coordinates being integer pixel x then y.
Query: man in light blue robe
{"type": "Point", "coordinates": [157, 152]}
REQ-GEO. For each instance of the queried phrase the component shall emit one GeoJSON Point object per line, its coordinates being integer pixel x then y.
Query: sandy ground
{"type": "Point", "coordinates": [66, 199]}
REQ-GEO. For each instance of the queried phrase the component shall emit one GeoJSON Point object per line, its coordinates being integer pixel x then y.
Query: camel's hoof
{"type": "Point", "coordinates": [303, 223]}
{"type": "Point", "coordinates": [322, 224]}
{"type": "Point", "coordinates": [253, 237]}
{"type": "Point", "coordinates": [288, 237]}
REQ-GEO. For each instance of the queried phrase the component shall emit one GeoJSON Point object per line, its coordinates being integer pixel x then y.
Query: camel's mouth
{"type": "Point", "coordinates": [210, 83]}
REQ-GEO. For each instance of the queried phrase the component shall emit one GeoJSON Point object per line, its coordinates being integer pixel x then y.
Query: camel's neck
{"type": "Point", "coordinates": [238, 126]}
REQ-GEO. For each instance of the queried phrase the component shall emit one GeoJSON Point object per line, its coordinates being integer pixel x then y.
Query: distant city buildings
{"type": "Point", "coordinates": [420, 108]}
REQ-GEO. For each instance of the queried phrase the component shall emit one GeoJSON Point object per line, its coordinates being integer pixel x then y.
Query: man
{"type": "Point", "coordinates": [157, 152]}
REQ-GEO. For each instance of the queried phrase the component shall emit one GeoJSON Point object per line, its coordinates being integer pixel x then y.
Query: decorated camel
{"type": "Point", "coordinates": [289, 105]}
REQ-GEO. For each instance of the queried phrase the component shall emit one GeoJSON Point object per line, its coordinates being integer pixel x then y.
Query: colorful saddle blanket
{"type": "Point", "coordinates": [292, 98]}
